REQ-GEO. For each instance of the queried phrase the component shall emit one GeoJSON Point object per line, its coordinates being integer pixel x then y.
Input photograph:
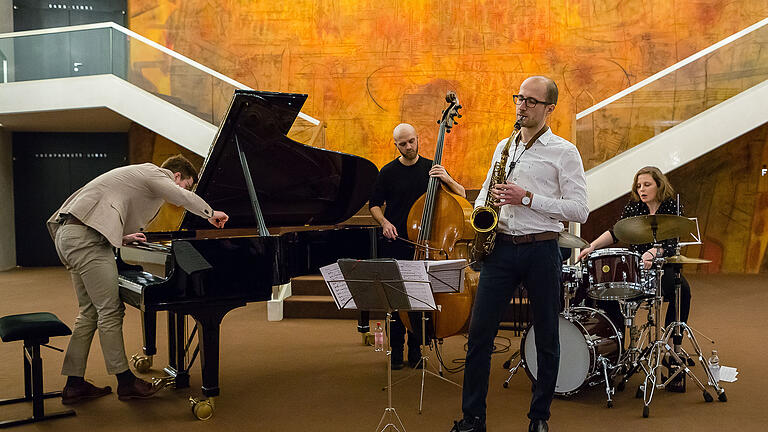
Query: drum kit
{"type": "Point", "coordinates": [592, 347]}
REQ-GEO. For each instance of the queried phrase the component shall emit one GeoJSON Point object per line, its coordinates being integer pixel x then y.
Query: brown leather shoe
{"type": "Point", "coordinates": [83, 391]}
{"type": "Point", "coordinates": [138, 389]}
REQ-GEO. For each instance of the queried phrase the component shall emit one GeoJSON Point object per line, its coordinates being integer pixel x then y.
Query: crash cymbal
{"type": "Point", "coordinates": [682, 259]}
{"type": "Point", "coordinates": [568, 240]}
{"type": "Point", "coordinates": [639, 229]}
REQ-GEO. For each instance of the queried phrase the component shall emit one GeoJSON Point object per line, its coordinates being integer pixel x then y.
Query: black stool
{"type": "Point", "coordinates": [34, 329]}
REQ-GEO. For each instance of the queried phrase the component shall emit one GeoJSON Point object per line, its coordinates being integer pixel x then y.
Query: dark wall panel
{"type": "Point", "coordinates": [47, 168]}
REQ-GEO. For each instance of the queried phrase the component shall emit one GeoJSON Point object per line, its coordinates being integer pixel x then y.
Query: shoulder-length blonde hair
{"type": "Point", "coordinates": [665, 189]}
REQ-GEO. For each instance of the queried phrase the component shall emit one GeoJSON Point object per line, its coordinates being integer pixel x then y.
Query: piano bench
{"type": "Point", "coordinates": [34, 329]}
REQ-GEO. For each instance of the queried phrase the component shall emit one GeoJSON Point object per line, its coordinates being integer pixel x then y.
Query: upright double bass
{"type": "Point", "coordinates": [439, 221]}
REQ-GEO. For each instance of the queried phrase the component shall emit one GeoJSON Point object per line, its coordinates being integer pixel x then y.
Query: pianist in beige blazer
{"type": "Point", "coordinates": [112, 210]}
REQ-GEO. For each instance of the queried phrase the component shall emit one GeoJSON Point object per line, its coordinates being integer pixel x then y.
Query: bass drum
{"type": "Point", "coordinates": [586, 335]}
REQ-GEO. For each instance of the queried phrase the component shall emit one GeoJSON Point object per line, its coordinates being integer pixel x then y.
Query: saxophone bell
{"type": "Point", "coordinates": [484, 219]}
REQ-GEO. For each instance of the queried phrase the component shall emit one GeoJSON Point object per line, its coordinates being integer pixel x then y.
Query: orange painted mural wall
{"type": "Point", "coordinates": [368, 66]}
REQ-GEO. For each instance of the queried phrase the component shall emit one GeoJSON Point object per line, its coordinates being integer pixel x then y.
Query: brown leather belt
{"type": "Point", "coordinates": [527, 238]}
{"type": "Point", "coordinates": [72, 220]}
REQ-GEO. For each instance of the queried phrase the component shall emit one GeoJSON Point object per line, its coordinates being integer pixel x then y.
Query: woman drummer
{"type": "Point", "coordinates": [651, 194]}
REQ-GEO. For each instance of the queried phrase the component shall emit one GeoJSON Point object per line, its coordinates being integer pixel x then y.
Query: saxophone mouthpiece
{"type": "Point", "coordinates": [518, 123]}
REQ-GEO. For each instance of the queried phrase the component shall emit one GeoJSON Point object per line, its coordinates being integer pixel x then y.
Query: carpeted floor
{"type": "Point", "coordinates": [315, 375]}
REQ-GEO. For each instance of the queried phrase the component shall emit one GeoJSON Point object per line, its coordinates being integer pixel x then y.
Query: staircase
{"type": "Point", "coordinates": [309, 296]}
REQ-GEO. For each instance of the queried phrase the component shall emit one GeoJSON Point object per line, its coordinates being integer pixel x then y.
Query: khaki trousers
{"type": "Point", "coordinates": [90, 260]}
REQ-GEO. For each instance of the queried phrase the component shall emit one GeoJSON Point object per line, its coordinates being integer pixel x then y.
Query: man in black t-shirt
{"type": "Point", "coordinates": [399, 184]}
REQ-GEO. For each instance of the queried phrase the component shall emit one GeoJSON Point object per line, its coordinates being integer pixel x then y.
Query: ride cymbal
{"type": "Point", "coordinates": [568, 240]}
{"type": "Point", "coordinates": [682, 259]}
{"type": "Point", "coordinates": [640, 229]}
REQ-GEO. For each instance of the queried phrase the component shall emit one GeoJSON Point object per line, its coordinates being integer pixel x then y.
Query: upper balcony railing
{"type": "Point", "coordinates": [108, 48]}
{"type": "Point", "coordinates": [673, 95]}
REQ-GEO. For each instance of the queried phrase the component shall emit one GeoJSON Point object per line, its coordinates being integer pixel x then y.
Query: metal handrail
{"type": "Point", "coordinates": [674, 67]}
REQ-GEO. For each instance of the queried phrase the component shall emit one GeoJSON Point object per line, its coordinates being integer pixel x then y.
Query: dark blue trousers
{"type": "Point", "coordinates": [537, 266]}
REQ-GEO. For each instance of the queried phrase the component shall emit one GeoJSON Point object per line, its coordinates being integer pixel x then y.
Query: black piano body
{"type": "Point", "coordinates": [262, 180]}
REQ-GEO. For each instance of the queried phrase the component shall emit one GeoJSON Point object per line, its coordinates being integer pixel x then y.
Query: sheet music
{"type": "Point", "coordinates": [728, 374]}
{"type": "Point", "coordinates": [447, 276]}
{"type": "Point", "coordinates": [339, 289]}
{"type": "Point", "coordinates": [419, 293]}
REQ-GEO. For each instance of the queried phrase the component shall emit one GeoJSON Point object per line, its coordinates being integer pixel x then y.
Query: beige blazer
{"type": "Point", "coordinates": [124, 200]}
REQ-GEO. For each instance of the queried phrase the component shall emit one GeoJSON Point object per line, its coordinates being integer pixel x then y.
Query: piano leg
{"type": "Point", "coordinates": [143, 363]}
{"type": "Point", "coordinates": [208, 323]}
{"type": "Point", "coordinates": [177, 350]}
{"type": "Point", "coordinates": [149, 330]}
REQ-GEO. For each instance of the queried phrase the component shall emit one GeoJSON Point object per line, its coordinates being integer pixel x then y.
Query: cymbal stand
{"type": "Point", "coordinates": [651, 362]}
{"type": "Point", "coordinates": [677, 329]}
{"type": "Point", "coordinates": [423, 362]}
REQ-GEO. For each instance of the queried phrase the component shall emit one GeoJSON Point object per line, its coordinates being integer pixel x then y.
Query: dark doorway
{"type": "Point", "coordinates": [47, 168]}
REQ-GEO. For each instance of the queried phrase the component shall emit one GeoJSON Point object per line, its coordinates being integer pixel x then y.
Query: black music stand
{"type": "Point", "coordinates": [424, 360]}
{"type": "Point", "coordinates": [377, 285]}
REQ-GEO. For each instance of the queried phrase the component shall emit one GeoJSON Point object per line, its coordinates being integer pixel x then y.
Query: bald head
{"type": "Point", "coordinates": [407, 143]}
{"type": "Point", "coordinates": [549, 86]}
{"type": "Point", "coordinates": [402, 130]}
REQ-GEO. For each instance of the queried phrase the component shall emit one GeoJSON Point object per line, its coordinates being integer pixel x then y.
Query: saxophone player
{"type": "Point", "coordinates": [545, 184]}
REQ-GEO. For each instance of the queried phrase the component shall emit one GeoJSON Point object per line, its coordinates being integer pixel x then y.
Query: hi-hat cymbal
{"type": "Point", "coordinates": [568, 240]}
{"type": "Point", "coordinates": [682, 259]}
{"type": "Point", "coordinates": [639, 229]}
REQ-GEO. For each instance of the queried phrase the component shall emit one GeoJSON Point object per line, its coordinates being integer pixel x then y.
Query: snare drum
{"type": "Point", "coordinates": [586, 335]}
{"type": "Point", "coordinates": [614, 274]}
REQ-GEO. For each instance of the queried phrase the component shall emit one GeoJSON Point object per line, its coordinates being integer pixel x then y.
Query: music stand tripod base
{"type": "Point", "coordinates": [424, 362]}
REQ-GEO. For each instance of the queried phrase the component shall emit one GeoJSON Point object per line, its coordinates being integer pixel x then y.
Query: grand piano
{"type": "Point", "coordinates": [284, 201]}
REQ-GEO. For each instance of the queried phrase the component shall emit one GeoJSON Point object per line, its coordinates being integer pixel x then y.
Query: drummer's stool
{"type": "Point", "coordinates": [34, 329]}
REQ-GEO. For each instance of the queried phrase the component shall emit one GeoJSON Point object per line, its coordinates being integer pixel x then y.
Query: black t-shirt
{"type": "Point", "coordinates": [399, 186]}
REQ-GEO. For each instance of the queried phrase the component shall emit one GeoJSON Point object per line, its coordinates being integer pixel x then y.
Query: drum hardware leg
{"type": "Point", "coordinates": [703, 335]}
{"type": "Point", "coordinates": [608, 390]}
{"type": "Point", "coordinates": [721, 396]}
{"type": "Point", "coordinates": [512, 372]}
{"type": "Point", "coordinates": [635, 367]}
{"type": "Point", "coordinates": [512, 358]}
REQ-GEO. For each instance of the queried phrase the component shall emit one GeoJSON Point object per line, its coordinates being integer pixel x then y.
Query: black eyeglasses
{"type": "Point", "coordinates": [529, 101]}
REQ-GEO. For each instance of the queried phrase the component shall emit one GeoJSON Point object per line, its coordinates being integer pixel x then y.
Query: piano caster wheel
{"type": "Point", "coordinates": [368, 339]}
{"type": "Point", "coordinates": [141, 363]}
{"type": "Point", "coordinates": [202, 409]}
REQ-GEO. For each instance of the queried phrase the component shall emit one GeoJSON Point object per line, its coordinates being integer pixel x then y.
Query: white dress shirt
{"type": "Point", "coordinates": [552, 170]}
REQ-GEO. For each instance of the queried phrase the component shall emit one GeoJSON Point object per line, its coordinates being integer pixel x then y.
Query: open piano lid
{"type": "Point", "coordinates": [295, 184]}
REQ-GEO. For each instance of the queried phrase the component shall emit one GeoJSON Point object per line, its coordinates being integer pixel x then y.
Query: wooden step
{"type": "Point", "coordinates": [310, 306]}
{"type": "Point", "coordinates": [311, 285]}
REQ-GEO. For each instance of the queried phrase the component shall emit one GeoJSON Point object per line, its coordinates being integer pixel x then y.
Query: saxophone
{"type": "Point", "coordinates": [485, 218]}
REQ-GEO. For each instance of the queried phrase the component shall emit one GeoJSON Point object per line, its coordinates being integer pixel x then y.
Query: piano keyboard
{"type": "Point", "coordinates": [136, 280]}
